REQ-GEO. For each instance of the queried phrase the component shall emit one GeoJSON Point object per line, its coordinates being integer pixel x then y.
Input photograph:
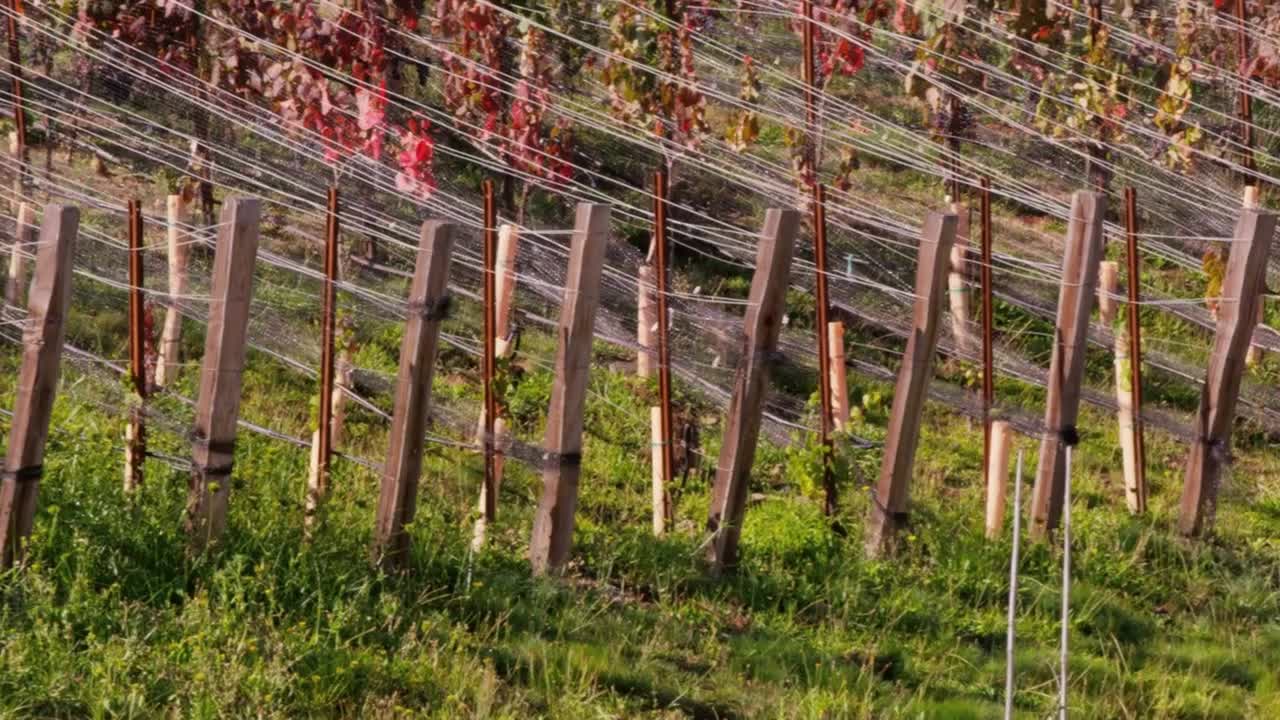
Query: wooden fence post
{"type": "Point", "coordinates": [37, 380]}
{"type": "Point", "coordinates": [170, 361]}
{"type": "Point", "coordinates": [766, 305]}
{"type": "Point", "coordinates": [562, 463]}
{"type": "Point", "coordinates": [889, 504]}
{"type": "Point", "coordinates": [1066, 367]}
{"type": "Point", "coordinates": [839, 376]}
{"type": "Point", "coordinates": [1241, 293]}
{"type": "Point", "coordinates": [24, 238]}
{"type": "Point", "coordinates": [428, 303]}
{"type": "Point", "coordinates": [997, 478]}
{"type": "Point", "coordinates": [957, 288]}
{"type": "Point", "coordinates": [218, 406]}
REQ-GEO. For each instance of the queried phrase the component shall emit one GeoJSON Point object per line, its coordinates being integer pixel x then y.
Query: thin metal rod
{"type": "Point", "coordinates": [1245, 102]}
{"type": "Point", "coordinates": [808, 76]}
{"type": "Point", "coordinates": [490, 352]}
{"type": "Point", "coordinates": [1011, 634]}
{"type": "Point", "coordinates": [1135, 344]}
{"type": "Point", "coordinates": [137, 307]}
{"type": "Point", "coordinates": [988, 323]}
{"type": "Point", "coordinates": [824, 352]}
{"type": "Point", "coordinates": [1064, 654]}
{"type": "Point", "coordinates": [664, 349]}
{"type": "Point", "coordinates": [328, 333]}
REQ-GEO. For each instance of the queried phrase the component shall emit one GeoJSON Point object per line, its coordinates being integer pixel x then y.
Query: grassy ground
{"type": "Point", "coordinates": [112, 619]}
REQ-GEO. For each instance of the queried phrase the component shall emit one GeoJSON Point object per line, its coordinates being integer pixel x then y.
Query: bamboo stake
{"type": "Point", "coordinates": [506, 283]}
{"type": "Point", "coordinates": [1135, 352]}
{"type": "Point", "coordinates": [170, 362]}
{"type": "Point", "coordinates": [997, 478]}
{"type": "Point", "coordinates": [839, 376]}
{"type": "Point", "coordinates": [646, 322]}
{"type": "Point", "coordinates": [659, 482]}
{"type": "Point", "coordinates": [957, 288]}
{"type": "Point", "coordinates": [1108, 279]}
{"type": "Point", "coordinates": [318, 478]}
{"type": "Point", "coordinates": [1124, 421]}
{"type": "Point", "coordinates": [24, 239]}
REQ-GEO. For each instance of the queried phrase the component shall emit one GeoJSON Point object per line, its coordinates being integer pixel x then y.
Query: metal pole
{"type": "Point", "coordinates": [988, 371]}
{"type": "Point", "coordinates": [824, 357]}
{"type": "Point", "coordinates": [1245, 102]}
{"type": "Point", "coordinates": [490, 353]}
{"type": "Point", "coordinates": [328, 332]}
{"type": "Point", "coordinates": [1135, 344]}
{"type": "Point", "coordinates": [664, 349]}
{"type": "Point", "coordinates": [1011, 634]}
{"type": "Point", "coordinates": [1066, 589]}
{"type": "Point", "coordinates": [137, 350]}
{"type": "Point", "coordinates": [807, 75]}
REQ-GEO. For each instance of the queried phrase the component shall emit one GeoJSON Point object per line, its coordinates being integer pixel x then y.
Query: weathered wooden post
{"type": "Point", "coordinates": [889, 504]}
{"type": "Point", "coordinates": [562, 463]}
{"type": "Point", "coordinates": [24, 238]}
{"type": "Point", "coordinates": [839, 376]}
{"type": "Point", "coordinates": [37, 380]}
{"type": "Point", "coordinates": [766, 305]}
{"type": "Point", "coordinates": [218, 405]}
{"type": "Point", "coordinates": [1241, 293]}
{"type": "Point", "coordinates": [170, 361]}
{"type": "Point", "coordinates": [1066, 368]}
{"type": "Point", "coordinates": [428, 304]}
{"type": "Point", "coordinates": [136, 431]}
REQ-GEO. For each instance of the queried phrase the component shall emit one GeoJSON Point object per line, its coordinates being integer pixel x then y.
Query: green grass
{"type": "Point", "coordinates": [112, 619]}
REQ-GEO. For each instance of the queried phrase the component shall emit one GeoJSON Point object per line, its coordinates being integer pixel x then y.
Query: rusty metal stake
{"type": "Point", "coordinates": [137, 348]}
{"type": "Point", "coordinates": [664, 349]}
{"type": "Point", "coordinates": [15, 72]}
{"type": "Point", "coordinates": [1135, 345]}
{"type": "Point", "coordinates": [988, 323]}
{"type": "Point", "coordinates": [489, 359]}
{"type": "Point", "coordinates": [329, 330]}
{"type": "Point", "coordinates": [824, 354]}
